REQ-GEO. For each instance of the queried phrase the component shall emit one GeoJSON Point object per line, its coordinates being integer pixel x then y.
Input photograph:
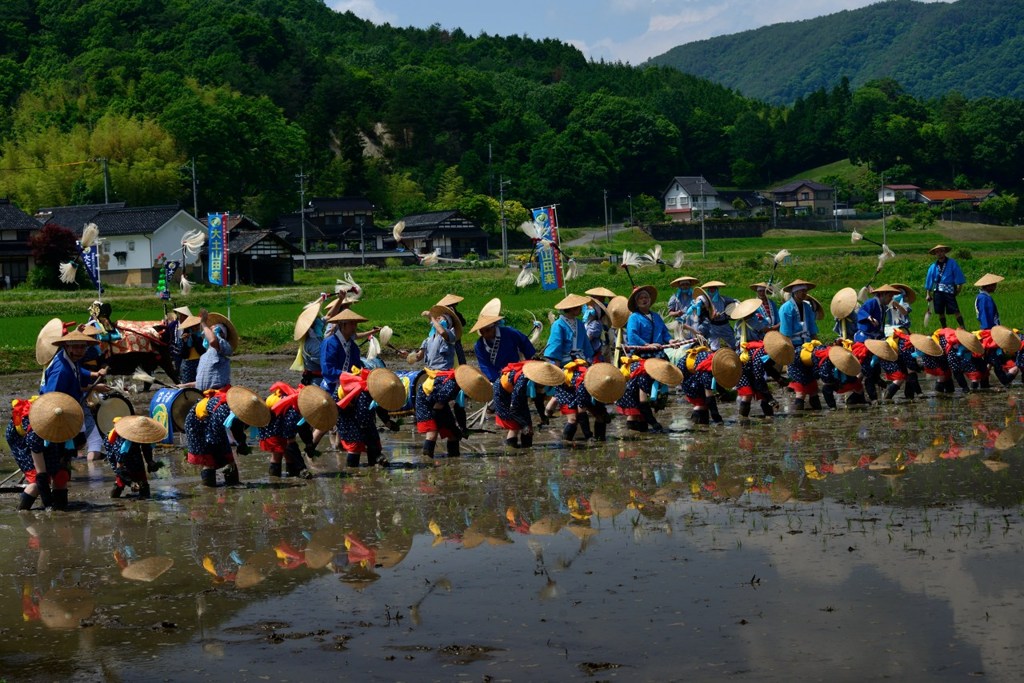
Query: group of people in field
{"type": "Point", "coordinates": [606, 356]}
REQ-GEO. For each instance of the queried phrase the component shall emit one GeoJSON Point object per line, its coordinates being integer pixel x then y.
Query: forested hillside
{"type": "Point", "coordinates": [971, 46]}
{"type": "Point", "coordinates": [257, 91]}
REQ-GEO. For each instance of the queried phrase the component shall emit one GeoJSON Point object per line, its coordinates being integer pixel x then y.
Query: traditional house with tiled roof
{"type": "Point", "coordinates": [447, 232]}
{"type": "Point", "coordinates": [334, 224]}
{"type": "Point", "coordinates": [16, 227]}
{"type": "Point", "coordinates": [132, 240]}
{"type": "Point", "coordinates": [805, 198]}
{"type": "Point", "coordinates": [941, 196]}
{"type": "Point", "coordinates": [261, 257]}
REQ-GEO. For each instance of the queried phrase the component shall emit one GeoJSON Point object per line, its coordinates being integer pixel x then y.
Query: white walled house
{"type": "Point", "coordinates": [132, 239]}
{"type": "Point", "coordinates": [687, 196]}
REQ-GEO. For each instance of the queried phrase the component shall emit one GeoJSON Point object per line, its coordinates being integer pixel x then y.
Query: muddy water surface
{"type": "Point", "coordinates": [884, 542]}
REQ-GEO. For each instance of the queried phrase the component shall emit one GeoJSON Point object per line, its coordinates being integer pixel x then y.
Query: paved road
{"type": "Point", "coordinates": [597, 235]}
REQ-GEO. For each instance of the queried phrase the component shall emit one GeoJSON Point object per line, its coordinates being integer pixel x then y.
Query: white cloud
{"type": "Point", "coordinates": [364, 9]}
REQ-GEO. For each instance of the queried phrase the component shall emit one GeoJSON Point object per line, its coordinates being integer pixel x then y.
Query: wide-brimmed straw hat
{"type": "Point", "coordinates": [492, 307]}
{"type": "Point", "coordinates": [925, 344]}
{"type": "Point", "coordinates": [779, 347]}
{"type": "Point", "coordinates": [727, 368]}
{"type": "Point", "coordinates": [1009, 437]}
{"type": "Point", "coordinates": [248, 407]}
{"type": "Point", "coordinates": [213, 319]}
{"type": "Point", "coordinates": [881, 348]}
{"type": "Point", "coordinates": [572, 301]}
{"type": "Point", "coordinates": [663, 371]}
{"type": "Point", "coordinates": [473, 383]}
{"type": "Point", "coordinates": [844, 359]}
{"type": "Point", "coordinates": [347, 316]}
{"type": "Point", "coordinates": [1006, 340]}
{"type": "Point", "coordinates": [45, 350]}
{"type": "Point", "coordinates": [940, 248]}
{"type": "Point", "coordinates": [989, 279]}
{"type": "Point", "coordinates": [684, 281]}
{"type": "Point", "coordinates": [651, 290]}
{"type": "Point", "coordinates": [148, 568]}
{"type": "Point", "coordinates": [745, 309]}
{"type": "Point", "coordinates": [485, 321]}
{"type": "Point", "coordinates": [909, 295]}
{"type": "Point", "coordinates": [970, 342]}
{"type": "Point", "coordinates": [56, 417]}
{"type": "Point", "coordinates": [73, 337]}
{"type": "Point", "coordinates": [843, 303]}
{"type": "Point", "coordinates": [600, 291]}
{"type": "Point", "coordinates": [886, 289]}
{"type": "Point", "coordinates": [450, 300]}
{"type": "Point", "coordinates": [819, 310]}
{"type": "Point", "coordinates": [759, 285]}
{"type": "Point", "coordinates": [604, 383]}
{"type": "Point", "coordinates": [544, 374]}
{"type": "Point", "coordinates": [618, 312]}
{"type": "Point", "coordinates": [437, 311]}
{"type": "Point", "coordinates": [799, 283]}
{"type": "Point", "coordinates": [190, 321]}
{"type": "Point", "coordinates": [316, 406]}
{"type": "Point", "coordinates": [140, 429]}
{"type": "Point", "coordinates": [387, 390]}
{"type": "Point", "coordinates": [305, 320]}
{"type": "Point", "coordinates": [183, 310]}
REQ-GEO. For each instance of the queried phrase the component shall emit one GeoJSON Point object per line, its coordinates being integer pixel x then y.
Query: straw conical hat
{"type": "Point", "coordinates": [995, 465]}
{"type": "Point", "coordinates": [572, 301]}
{"type": "Point", "coordinates": [925, 344]}
{"type": "Point", "coordinates": [1006, 340]}
{"type": "Point", "coordinates": [843, 359]}
{"type": "Point", "coordinates": [450, 300]}
{"type": "Point", "coordinates": [147, 569]}
{"type": "Point", "coordinates": [249, 575]}
{"type": "Point", "coordinates": [618, 312]}
{"type": "Point", "coordinates": [348, 315]}
{"type": "Point", "coordinates": [726, 368]}
{"type": "Point", "coordinates": [886, 289]}
{"type": "Point", "coordinates": [819, 310]}
{"type": "Point", "coordinates": [63, 607]}
{"type": "Point", "coordinates": [472, 382]}
{"type": "Point", "coordinates": [684, 281]}
{"type": "Point", "coordinates": [713, 283]}
{"type": "Point", "coordinates": [306, 319]}
{"type": "Point", "coordinates": [940, 248]}
{"type": "Point", "coordinates": [1009, 437]}
{"type": "Point", "coordinates": [140, 429]}
{"type": "Point", "coordinates": [190, 321]}
{"type": "Point", "coordinates": [184, 310]}
{"type": "Point", "coordinates": [759, 285]}
{"type": "Point", "coordinates": [779, 347]}
{"type": "Point", "coordinates": [970, 342]}
{"type": "Point", "coordinates": [745, 309]}
{"type": "Point", "coordinates": [843, 303]}
{"type": "Point", "coordinates": [74, 336]}
{"type": "Point", "coordinates": [485, 321]}
{"type": "Point", "coordinates": [248, 407]}
{"type": "Point", "coordinates": [492, 307]}
{"type": "Point", "coordinates": [387, 389]}
{"type": "Point", "coordinates": [604, 382]}
{"type": "Point", "coordinates": [51, 332]}
{"type": "Point", "coordinates": [881, 348]}
{"type": "Point", "coordinates": [56, 417]}
{"type": "Point", "coordinates": [316, 406]}
{"type": "Point", "coordinates": [909, 295]}
{"type": "Point", "coordinates": [663, 371]}
{"type": "Point", "coordinates": [798, 283]}
{"type": "Point", "coordinates": [989, 279]}
{"type": "Point", "coordinates": [218, 319]}
{"type": "Point", "coordinates": [600, 291]}
{"type": "Point", "coordinates": [544, 374]}
{"type": "Point", "coordinates": [437, 311]}
{"type": "Point", "coordinates": [549, 525]}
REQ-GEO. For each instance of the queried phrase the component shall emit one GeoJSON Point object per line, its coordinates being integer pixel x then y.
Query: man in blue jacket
{"type": "Point", "coordinates": [943, 284]}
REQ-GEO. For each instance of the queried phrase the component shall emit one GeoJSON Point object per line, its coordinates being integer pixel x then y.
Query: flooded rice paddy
{"type": "Point", "coordinates": [877, 543]}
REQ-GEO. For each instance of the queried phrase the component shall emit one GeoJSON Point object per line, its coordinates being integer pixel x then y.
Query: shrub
{"type": "Point", "coordinates": [612, 269]}
{"type": "Point", "coordinates": [963, 254]}
{"type": "Point", "coordinates": [897, 224]}
{"type": "Point", "coordinates": [393, 262]}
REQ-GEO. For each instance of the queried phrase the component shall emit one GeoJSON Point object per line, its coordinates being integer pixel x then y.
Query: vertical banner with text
{"type": "Point", "coordinates": [218, 245]}
{"type": "Point", "coordinates": [549, 258]}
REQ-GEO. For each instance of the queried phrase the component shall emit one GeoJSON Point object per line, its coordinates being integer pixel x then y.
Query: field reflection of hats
{"type": "Point", "coordinates": [148, 569]}
{"type": "Point", "coordinates": [488, 527]}
{"type": "Point", "coordinates": [358, 576]}
{"type": "Point", "coordinates": [393, 548]}
{"type": "Point", "coordinates": [549, 525]}
{"type": "Point", "coordinates": [248, 407]}
{"type": "Point", "coordinates": [604, 383]}
{"type": "Point", "coordinates": [323, 545]}
{"type": "Point", "coordinates": [316, 406]}
{"type": "Point", "coordinates": [256, 569]}
{"type": "Point", "coordinates": [56, 417]}
{"type": "Point", "coordinates": [473, 384]}
{"type": "Point", "coordinates": [607, 505]}
{"type": "Point", "coordinates": [65, 607]}
{"type": "Point", "coordinates": [1009, 437]}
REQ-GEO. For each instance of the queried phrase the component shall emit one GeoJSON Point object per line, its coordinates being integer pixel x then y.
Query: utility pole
{"type": "Point", "coordinates": [703, 245]}
{"type": "Point", "coordinates": [302, 212]}
{"type": "Point", "coordinates": [607, 230]}
{"type": "Point", "coordinates": [195, 191]}
{"type": "Point", "coordinates": [504, 231]}
{"type": "Point", "coordinates": [631, 210]}
{"type": "Point", "coordinates": [362, 243]}
{"type": "Point", "coordinates": [106, 178]}
{"type": "Point", "coordinates": [883, 210]}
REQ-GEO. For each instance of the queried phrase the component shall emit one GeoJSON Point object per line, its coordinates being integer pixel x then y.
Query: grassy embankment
{"type": "Point", "coordinates": [265, 315]}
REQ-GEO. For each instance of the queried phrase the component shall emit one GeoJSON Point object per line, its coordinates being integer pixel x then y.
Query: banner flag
{"type": "Point", "coordinates": [91, 261]}
{"type": "Point", "coordinates": [218, 245]}
{"type": "Point", "coordinates": [549, 257]}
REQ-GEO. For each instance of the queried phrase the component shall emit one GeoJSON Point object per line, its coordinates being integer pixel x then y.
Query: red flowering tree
{"type": "Point", "coordinates": [51, 246]}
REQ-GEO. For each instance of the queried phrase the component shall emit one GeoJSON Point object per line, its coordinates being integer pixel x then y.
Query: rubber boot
{"type": "Point", "coordinates": [713, 411]}
{"type": "Point", "coordinates": [815, 402]}
{"type": "Point", "coordinates": [538, 405]}
{"type": "Point", "coordinates": [144, 492]}
{"type": "Point", "coordinates": [1000, 374]}
{"type": "Point", "coordinates": [583, 420]}
{"type": "Point", "coordinates": [275, 469]}
{"type": "Point", "coordinates": [454, 451]}
{"type": "Point", "coordinates": [116, 491]}
{"type": "Point", "coordinates": [352, 460]}
{"type": "Point", "coordinates": [429, 447]}
{"type": "Point", "coordinates": [374, 457]}
{"type": "Point", "coordinates": [231, 476]}
{"type": "Point", "coordinates": [798, 404]}
{"type": "Point", "coordinates": [890, 391]}
{"type": "Point", "coordinates": [526, 440]}
{"type": "Point", "coordinates": [855, 399]}
{"type": "Point", "coordinates": [569, 432]}
{"type": "Point", "coordinates": [45, 495]}
{"type": "Point", "coordinates": [208, 477]}
{"type": "Point", "coordinates": [636, 426]}
{"type": "Point", "coordinates": [870, 388]}
{"type": "Point", "coordinates": [701, 417]}
{"type": "Point", "coordinates": [962, 381]}
{"type": "Point", "coordinates": [512, 442]}
{"type": "Point", "coordinates": [830, 396]}
{"type": "Point", "coordinates": [600, 431]}
{"type": "Point", "coordinates": [295, 466]}
{"type": "Point", "coordinates": [26, 501]}
{"type": "Point", "coordinates": [916, 382]}
{"type": "Point", "coordinates": [647, 411]}
{"type": "Point", "coordinates": [767, 409]}
{"type": "Point", "coordinates": [460, 419]}
{"type": "Point", "coordinates": [745, 409]}
{"type": "Point", "coordinates": [444, 419]}
{"type": "Point", "coordinates": [60, 499]}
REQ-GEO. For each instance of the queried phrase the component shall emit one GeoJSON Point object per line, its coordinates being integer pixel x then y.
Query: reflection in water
{"type": "Point", "coordinates": [776, 549]}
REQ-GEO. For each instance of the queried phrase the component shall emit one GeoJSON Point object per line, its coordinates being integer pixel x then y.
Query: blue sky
{"type": "Point", "coordinates": [615, 30]}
